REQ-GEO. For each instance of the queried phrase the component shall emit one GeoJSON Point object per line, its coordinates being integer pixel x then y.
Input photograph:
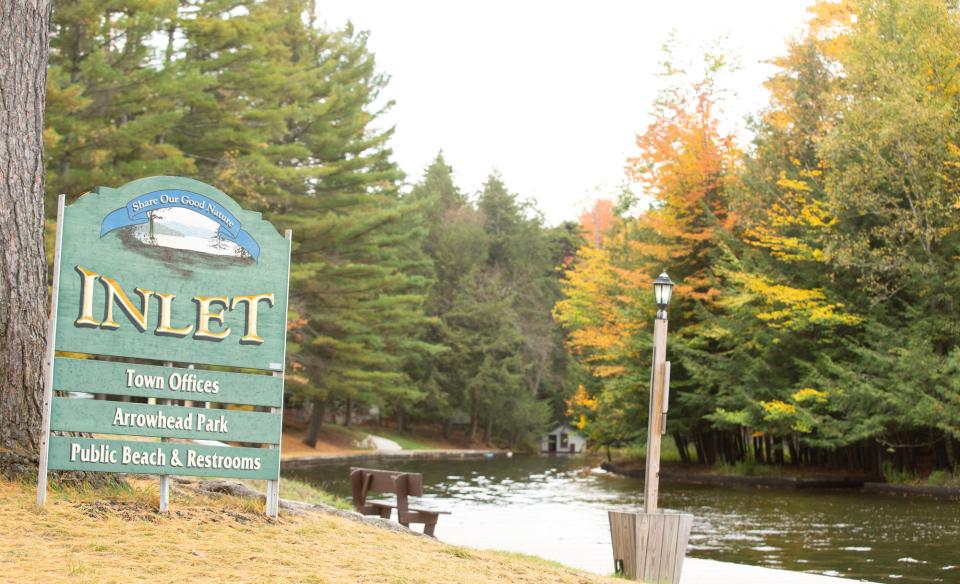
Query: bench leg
{"type": "Point", "coordinates": [385, 512]}
{"type": "Point", "coordinates": [428, 528]}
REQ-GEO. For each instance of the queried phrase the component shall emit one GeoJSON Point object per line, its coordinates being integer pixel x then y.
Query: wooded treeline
{"type": "Point", "coordinates": [815, 319]}
{"type": "Point", "coordinates": [425, 302]}
{"type": "Point", "coordinates": [817, 310]}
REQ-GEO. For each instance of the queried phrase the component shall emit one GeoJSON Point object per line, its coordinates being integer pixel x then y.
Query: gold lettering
{"type": "Point", "coordinates": [114, 291]}
{"type": "Point", "coordinates": [204, 316]}
{"type": "Point", "coordinates": [210, 310]}
{"type": "Point", "coordinates": [164, 328]}
{"type": "Point", "coordinates": [86, 298]}
{"type": "Point", "coordinates": [253, 303]}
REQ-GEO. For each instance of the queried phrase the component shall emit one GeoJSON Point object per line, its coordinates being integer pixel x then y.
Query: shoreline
{"type": "Point", "coordinates": [867, 484]}
{"type": "Point", "coordinates": [296, 462]}
{"type": "Point", "coordinates": [669, 474]}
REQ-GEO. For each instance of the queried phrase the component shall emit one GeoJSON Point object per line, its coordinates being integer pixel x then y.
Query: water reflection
{"type": "Point", "coordinates": [557, 508]}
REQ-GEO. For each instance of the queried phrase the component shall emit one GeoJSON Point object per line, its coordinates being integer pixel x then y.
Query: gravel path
{"type": "Point", "coordinates": [381, 444]}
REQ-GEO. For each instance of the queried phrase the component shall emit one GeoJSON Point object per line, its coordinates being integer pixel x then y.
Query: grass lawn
{"type": "Point", "coordinates": [115, 535]}
{"type": "Point", "coordinates": [301, 491]}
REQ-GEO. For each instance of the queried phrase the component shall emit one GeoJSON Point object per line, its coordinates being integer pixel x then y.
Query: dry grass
{"type": "Point", "coordinates": [303, 491]}
{"type": "Point", "coordinates": [115, 535]}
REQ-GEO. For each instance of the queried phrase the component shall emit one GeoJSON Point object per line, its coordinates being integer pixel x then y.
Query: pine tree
{"type": "Point", "coordinates": [307, 137]}
{"type": "Point", "coordinates": [113, 103]}
{"type": "Point", "coordinates": [23, 290]}
{"type": "Point", "coordinates": [254, 98]}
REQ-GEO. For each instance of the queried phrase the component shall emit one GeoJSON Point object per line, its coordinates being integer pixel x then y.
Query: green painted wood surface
{"type": "Point", "coordinates": [120, 255]}
{"type": "Point", "coordinates": [88, 375]}
{"type": "Point", "coordinates": [111, 417]}
{"type": "Point", "coordinates": [64, 457]}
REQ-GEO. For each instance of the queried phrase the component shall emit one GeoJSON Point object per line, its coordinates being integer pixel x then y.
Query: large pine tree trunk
{"type": "Point", "coordinates": [24, 27]}
{"type": "Point", "coordinates": [316, 422]}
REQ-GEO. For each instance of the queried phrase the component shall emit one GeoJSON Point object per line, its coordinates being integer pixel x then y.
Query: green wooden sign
{"type": "Point", "coordinates": [152, 381]}
{"type": "Point", "coordinates": [163, 458]}
{"type": "Point", "coordinates": [159, 272]}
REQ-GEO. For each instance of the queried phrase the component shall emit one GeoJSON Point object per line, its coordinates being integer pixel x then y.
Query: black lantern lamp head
{"type": "Point", "coordinates": [662, 290]}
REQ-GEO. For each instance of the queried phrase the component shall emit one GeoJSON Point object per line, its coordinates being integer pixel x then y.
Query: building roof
{"type": "Point", "coordinates": [564, 426]}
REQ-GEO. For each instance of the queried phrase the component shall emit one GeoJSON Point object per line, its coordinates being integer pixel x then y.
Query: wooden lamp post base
{"type": "Point", "coordinates": [650, 547]}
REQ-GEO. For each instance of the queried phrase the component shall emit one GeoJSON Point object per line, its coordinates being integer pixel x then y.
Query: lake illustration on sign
{"type": "Point", "coordinates": [181, 220]}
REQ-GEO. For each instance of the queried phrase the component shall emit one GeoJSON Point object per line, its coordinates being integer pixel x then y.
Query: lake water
{"type": "Point", "coordinates": [556, 508]}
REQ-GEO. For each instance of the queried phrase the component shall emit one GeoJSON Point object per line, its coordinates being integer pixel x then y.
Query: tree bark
{"type": "Point", "coordinates": [348, 414]}
{"type": "Point", "coordinates": [24, 27]}
{"type": "Point", "coordinates": [681, 442]}
{"type": "Point", "coordinates": [401, 426]}
{"type": "Point", "coordinates": [474, 420]}
{"type": "Point", "coordinates": [950, 451]}
{"type": "Point", "coordinates": [793, 442]}
{"type": "Point", "coordinates": [316, 422]}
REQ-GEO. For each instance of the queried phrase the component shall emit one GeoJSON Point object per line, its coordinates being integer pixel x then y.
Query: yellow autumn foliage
{"type": "Point", "coordinates": [777, 408]}
{"type": "Point", "coordinates": [809, 394]}
{"type": "Point", "coordinates": [789, 307]}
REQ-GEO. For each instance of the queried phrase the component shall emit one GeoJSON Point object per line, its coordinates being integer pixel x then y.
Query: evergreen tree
{"type": "Point", "coordinates": [113, 102]}
{"type": "Point", "coordinates": [254, 98]}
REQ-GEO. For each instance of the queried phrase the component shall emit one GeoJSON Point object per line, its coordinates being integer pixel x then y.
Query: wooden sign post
{"type": "Point", "coordinates": [651, 546]}
{"type": "Point", "coordinates": [166, 293]}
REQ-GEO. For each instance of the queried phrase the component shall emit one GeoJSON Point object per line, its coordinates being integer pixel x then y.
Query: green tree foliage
{"type": "Point", "coordinates": [254, 98]}
{"type": "Point", "coordinates": [503, 368]}
{"type": "Point", "coordinates": [113, 102]}
{"type": "Point", "coordinates": [820, 325]}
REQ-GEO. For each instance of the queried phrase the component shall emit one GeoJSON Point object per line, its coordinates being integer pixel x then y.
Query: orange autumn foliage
{"type": "Point", "coordinates": [685, 164]}
{"type": "Point", "coordinates": [597, 222]}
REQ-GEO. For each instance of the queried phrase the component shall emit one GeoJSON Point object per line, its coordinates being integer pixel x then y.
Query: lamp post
{"type": "Point", "coordinates": [659, 386]}
{"type": "Point", "coordinates": [651, 546]}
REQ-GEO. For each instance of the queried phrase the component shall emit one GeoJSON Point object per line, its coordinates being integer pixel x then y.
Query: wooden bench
{"type": "Point", "coordinates": [402, 484]}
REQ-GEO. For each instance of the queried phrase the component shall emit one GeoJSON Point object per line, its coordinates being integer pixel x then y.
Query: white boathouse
{"type": "Point", "coordinates": [564, 439]}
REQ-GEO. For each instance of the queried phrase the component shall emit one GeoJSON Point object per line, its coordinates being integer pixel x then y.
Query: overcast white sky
{"type": "Point", "coordinates": [551, 94]}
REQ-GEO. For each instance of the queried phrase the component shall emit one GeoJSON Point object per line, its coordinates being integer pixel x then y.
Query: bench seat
{"type": "Point", "coordinates": [401, 484]}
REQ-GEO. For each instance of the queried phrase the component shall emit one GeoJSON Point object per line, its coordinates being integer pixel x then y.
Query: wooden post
{"type": "Point", "coordinates": [48, 362]}
{"type": "Point", "coordinates": [164, 479]}
{"type": "Point", "coordinates": [651, 484]}
{"type": "Point", "coordinates": [164, 492]}
{"type": "Point", "coordinates": [666, 397]}
{"type": "Point", "coordinates": [273, 487]}
{"type": "Point", "coordinates": [650, 546]}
